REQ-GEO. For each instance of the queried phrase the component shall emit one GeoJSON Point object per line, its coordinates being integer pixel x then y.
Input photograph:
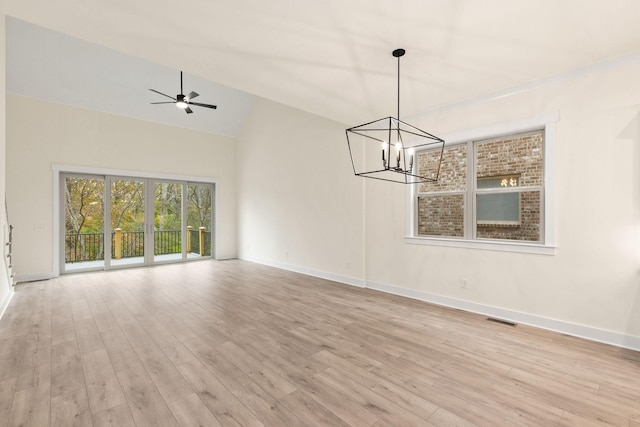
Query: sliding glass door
{"type": "Point", "coordinates": [199, 220]}
{"type": "Point", "coordinates": [167, 221]}
{"type": "Point", "coordinates": [83, 228]}
{"type": "Point", "coordinates": [127, 222]}
{"type": "Point", "coordinates": [119, 222]}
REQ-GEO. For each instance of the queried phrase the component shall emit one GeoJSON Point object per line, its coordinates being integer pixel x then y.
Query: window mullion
{"type": "Point", "coordinates": [470, 202]}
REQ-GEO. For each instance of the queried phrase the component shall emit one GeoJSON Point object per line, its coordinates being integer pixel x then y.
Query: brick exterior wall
{"type": "Point", "coordinates": [443, 215]}
{"type": "Point", "coordinates": [453, 169]}
{"type": "Point", "coordinates": [517, 155]}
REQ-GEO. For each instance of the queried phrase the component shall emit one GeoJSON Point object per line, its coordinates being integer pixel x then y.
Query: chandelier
{"type": "Point", "coordinates": [386, 149]}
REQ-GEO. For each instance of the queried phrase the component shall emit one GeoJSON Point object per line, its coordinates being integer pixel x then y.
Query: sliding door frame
{"type": "Point", "coordinates": [59, 172]}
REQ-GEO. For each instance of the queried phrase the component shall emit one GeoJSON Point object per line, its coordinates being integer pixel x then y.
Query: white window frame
{"type": "Point", "coordinates": [545, 122]}
{"type": "Point", "coordinates": [60, 170]}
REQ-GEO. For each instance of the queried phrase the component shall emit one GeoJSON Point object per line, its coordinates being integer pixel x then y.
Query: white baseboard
{"type": "Point", "coordinates": [226, 257]}
{"type": "Point", "coordinates": [5, 302]}
{"type": "Point", "coordinates": [34, 277]}
{"type": "Point", "coordinates": [308, 271]}
{"type": "Point", "coordinates": [567, 328]}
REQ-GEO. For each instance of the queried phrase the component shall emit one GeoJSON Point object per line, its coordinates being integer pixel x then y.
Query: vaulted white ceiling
{"type": "Point", "coordinates": [333, 57]}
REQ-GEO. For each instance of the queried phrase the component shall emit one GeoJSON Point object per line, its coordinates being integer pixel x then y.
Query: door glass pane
{"type": "Point", "coordinates": [199, 220]}
{"type": "Point", "coordinates": [84, 223]}
{"type": "Point", "coordinates": [167, 222]}
{"type": "Point", "coordinates": [127, 222]}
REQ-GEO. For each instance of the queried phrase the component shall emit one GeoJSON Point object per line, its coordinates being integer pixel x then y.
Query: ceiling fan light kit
{"type": "Point", "coordinates": [386, 148]}
{"type": "Point", "coordinates": [183, 101]}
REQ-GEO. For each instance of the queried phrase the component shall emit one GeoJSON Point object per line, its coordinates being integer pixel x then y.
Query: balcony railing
{"type": "Point", "coordinates": [81, 247]}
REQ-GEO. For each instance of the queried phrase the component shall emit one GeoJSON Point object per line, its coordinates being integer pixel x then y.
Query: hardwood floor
{"type": "Point", "coordinates": [238, 344]}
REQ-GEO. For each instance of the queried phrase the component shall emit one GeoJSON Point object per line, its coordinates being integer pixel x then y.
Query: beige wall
{"type": "Point", "coordinates": [300, 207]}
{"type": "Point", "coordinates": [40, 134]}
{"type": "Point", "coordinates": [593, 280]}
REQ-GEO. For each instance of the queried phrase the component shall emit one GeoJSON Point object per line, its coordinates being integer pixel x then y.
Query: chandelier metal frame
{"type": "Point", "coordinates": [371, 145]}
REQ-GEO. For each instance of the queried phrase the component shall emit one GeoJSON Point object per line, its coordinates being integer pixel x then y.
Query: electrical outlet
{"type": "Point", "coordinates": [463, 283]}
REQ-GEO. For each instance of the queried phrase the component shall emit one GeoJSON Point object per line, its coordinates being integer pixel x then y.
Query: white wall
{"type": "Point", "coordinates": [5, 288]}
{"type": "Point", "coordinates": [299, 206]}
{"type": "Point", "coordinates": [40, 134]}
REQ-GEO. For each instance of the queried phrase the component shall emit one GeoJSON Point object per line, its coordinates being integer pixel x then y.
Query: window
{"type": "Point", "coordinates": [489, 190]}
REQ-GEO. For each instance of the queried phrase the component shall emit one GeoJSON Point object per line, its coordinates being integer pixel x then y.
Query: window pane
{"type": "Point", "coordinates": [498, 208]}
{"type": "Point", "coordinates": [514, 158]}
{"type": "Point", "coordinates": [441, 215]}
{"type": "Point", "coordinates": [496, 215]}
{"type": "Point", "coordinates": [453, 169]}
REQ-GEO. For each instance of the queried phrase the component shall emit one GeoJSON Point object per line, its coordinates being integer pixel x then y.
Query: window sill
{"type": "Point", "coordinates": [529, 248]}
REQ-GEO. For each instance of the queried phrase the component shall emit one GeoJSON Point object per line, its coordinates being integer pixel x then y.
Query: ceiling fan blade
{"type": "Point", "coordinates": [188, 110]}
{"type": "Point", "coordinates": [203, 105]}
{"type": "Point", "coordinates": [168, 102]}
{"type": "Point", "coordinates": [191, 95]}
{"type": "Point", "coordinates": [163, 94]}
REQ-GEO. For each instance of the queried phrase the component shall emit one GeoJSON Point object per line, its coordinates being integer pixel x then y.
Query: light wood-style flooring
{"type": "Point", "coordinates": [233, 343]}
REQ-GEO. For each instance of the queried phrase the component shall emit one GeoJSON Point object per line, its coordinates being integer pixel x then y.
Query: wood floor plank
{"type": "Point", "coordinates": [31, 407]}
{"type": "Point", "coordinates": [118, 416]}
{"type": "Point", "coordinates": [7, 391]}
{"type": "Point", "coordinates": [88, 336]}
{"type": "Point", "coordinates": [190, 411]}
{"type": "Point", "coordinates": [66, 368]}
{"type": "Point", "coordinates": [226, 372]}
{"type": "Point", "coordinates": [103, 388]}
{"type": "Point", "coordinates": [308, 409]}
{"type": "Point", "coordinates": [241, 344]}
{"type": "Point", "coordinates": [275, 384]}
{"type": "Point", "coordinates": [163, 373]}
{"type": "Point", "coordinates": [145, 402]}
{"type": "Point", "coordinates": [216, 396]}
{"type": "Point", "coordinates": [443, 418]}
{"type": "Point", "coordinates": [267, 408]}
{"type": "Point", "coordinates": [34, 366]}
{"type": "Point", "coordinates": [71, 409]}
{"type": "Point", "coordinates": [369, 400]}
{"type": "Point", "coordinates": [395, 394]}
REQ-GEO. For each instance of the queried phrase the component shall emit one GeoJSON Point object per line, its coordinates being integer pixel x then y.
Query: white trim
{"type": "Point", "coordinates": [308, 271]}
{"type": "Point", "coordinates": [559, 326]}
{"type": "Point", "coordinates": [34, 277]}
{"type": "Point", "coordinates": [573, 329]}
{"type": "Point", "coordinates": [544, 121]}
{"type": "Point", "coordinates": [5, 302]}
{"type": "Point", "coordinates": [549, 198]}
{"type": "Point", "coordinates": [129, 174]}
{"type": "Point", "coordinates": [491, 245]}
{"type": "Point", "coordinates": [59, 169]}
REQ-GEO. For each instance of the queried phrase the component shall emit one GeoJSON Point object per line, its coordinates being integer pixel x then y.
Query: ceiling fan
{"type": "Point", "coordinates": [183, 101]}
